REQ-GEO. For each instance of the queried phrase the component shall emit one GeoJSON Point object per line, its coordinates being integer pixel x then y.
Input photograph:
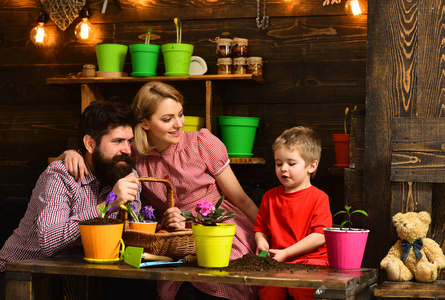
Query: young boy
{"type": "Point", "coordinates": [291, 218]}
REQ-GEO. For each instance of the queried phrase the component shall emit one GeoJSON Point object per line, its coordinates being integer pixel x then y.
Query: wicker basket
{"type": "Point", "coordinates": [175, 244]}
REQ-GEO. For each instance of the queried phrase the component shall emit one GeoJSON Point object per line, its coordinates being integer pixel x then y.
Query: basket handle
{"type": "Point", "coordinates": [168, 185]}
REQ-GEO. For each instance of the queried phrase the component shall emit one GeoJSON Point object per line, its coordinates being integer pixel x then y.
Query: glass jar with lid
{"type": "Point", "coordinates": [239, 65]}
{"type": "Point", "coordinates": [223, 47]}
{"type": "Point", "coordinates": [255, 65]}
{"type": "Point", "coordinates": [239, 47]}
{"type": "Point", "coordinates": [224, 66]}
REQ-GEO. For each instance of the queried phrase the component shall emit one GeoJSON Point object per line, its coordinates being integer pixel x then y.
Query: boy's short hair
{"type": "Point", "coordinates": [302, 139]}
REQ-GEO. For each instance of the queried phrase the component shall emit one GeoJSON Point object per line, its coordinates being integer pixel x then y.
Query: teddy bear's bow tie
{"type": "Point", "coordinates": [406, 246]}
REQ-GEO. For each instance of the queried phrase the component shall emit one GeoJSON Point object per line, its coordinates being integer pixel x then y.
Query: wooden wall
{"type": "Point", "coordinates": [405, 84]}
{"type": "Point", "coordinates": [314, 66]}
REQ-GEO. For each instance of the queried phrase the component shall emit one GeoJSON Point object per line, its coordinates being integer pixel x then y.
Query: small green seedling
{"type": "Point", "coordinates": [348, 213]}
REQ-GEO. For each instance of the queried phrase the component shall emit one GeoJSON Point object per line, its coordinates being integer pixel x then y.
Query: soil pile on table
{"type": "Point", "coordinates": [251, 262]}
{"type": "Point", "coordinates": [101, 221]}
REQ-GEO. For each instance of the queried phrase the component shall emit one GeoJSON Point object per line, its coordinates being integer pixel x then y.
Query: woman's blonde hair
{"type": "Point", "coordinates": [146, 102]}
{"type": "Point", "coordinates": [301, 139]}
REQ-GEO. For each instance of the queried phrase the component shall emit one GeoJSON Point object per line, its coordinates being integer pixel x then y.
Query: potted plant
{"type": "Point", "coordinates": [213, 239]}
{"type": "Point", "coordinates": [346, 245]}
{"type": "Point", "coordinates": [144, 57]}
{"type": "Point", "coordinates": [177, 55]}
{"type": "Point", "coordinates": [341, 143]}
{"type": "Point", "coordinates": [144, 221]}
{"type": "Point", "coordinates": [102, 237]}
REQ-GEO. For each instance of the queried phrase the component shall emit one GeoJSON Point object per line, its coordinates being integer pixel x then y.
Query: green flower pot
{"type": "Point", "coordinates": [144, 58]}
{"type": "Point", "coordinates": [111, 57]}
{"type": "Point", "coordinates": [177, 59]}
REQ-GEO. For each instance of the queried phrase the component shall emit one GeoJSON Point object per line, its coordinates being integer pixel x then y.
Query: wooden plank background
{"type": "Point", "coordinates": [314, 66]}
{"type": "Point", "coordinates": [405, 80]}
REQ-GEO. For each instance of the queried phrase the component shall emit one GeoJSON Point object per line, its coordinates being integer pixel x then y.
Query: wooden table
{"type": "Point", "coordinates": [26, 277]}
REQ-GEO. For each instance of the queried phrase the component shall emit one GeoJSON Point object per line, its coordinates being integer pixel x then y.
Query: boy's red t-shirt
{"type": "Point", "coordinates": [289, 217]}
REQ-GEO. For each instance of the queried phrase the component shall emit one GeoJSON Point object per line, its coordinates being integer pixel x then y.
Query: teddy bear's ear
{"type": "Point", "coordinates": [397, 218]}
{"type": "Point", "coordinates": [425, 217]}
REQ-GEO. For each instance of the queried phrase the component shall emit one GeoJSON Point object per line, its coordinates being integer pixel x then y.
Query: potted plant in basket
{"type": "Point", "coordinates": [144, 57]}
{"type": "Point", "coordinates": [346, 245]}
{"type": "Point", "coordinates": [102, 237]}
{"type": "Point", "coordinates": [144, 221]}
{"type": "Point", "coordinates": [341, 143]}
{"type": "Point", "coordinates": [213, 239]}
{"type": "Point", "coordinates": [177, 55]}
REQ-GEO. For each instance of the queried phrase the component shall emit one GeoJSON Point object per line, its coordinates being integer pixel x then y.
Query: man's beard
{"type": "Point", "coordinates": [109, 171]}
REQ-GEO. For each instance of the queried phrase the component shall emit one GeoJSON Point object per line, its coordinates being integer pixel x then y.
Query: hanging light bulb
{"type": "Point", "coordinates": [354, 7]}
{"type": "Point", "coordinates": [39, 35]}
{"type": "Point", "coordinates": [84, 30]}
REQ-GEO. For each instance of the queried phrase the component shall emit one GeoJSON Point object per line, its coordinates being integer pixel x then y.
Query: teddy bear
{"type": "Point", "coordinates": [413, 255]}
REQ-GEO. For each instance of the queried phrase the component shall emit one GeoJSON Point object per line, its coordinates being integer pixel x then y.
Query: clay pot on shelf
{"type": "Point", "coordinates": [341, 143]}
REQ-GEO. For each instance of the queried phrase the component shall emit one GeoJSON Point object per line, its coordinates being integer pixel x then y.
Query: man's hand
{"type": "Point", "coordinates": [126, 189]}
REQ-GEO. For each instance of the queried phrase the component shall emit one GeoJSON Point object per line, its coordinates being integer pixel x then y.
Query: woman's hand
{"type": "Point", "coordinates": [74, 163]}
{"type": "Point", "coordinates": [172, 218]}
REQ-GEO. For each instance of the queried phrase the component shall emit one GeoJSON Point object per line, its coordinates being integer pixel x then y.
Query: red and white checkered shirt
{"type": "Point", "coordinates": [50, 225]}
{"type": "Point", "coordinates": [191, 167]}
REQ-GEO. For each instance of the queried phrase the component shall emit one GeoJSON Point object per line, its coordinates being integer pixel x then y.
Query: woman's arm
{"type": "Point", "coordinates": [74, 163]}
{"type": "Point", "coordinates": [231, 188]}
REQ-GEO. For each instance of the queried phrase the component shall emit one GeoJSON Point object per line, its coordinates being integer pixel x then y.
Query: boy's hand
{"type": "Point", "coordinates": [278, 254]}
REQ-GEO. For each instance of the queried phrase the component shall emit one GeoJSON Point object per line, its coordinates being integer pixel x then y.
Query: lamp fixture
{"type": "Point", "coordinates": [39, 35]}
{"type": "Point", "coordinates": [84, 30]}
{"type": "Point", "coordinates": [354, 7]}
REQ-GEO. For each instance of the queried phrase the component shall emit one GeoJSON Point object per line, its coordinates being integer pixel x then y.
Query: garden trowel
{"type": "Point", "coordinates": [263, 253]}
{"type": "Point", "coordinates": [135, 255]}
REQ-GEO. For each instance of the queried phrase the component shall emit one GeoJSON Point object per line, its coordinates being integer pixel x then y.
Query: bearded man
{"type": "Point", "coordinates": [59, 202]}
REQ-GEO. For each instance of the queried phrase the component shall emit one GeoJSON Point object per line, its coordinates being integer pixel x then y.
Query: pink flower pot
{"type": "Point", "coordinates": [345, 247]}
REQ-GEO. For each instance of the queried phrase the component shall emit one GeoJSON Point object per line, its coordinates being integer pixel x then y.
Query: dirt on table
{"type": "Point", "coordinates": [251, 262]}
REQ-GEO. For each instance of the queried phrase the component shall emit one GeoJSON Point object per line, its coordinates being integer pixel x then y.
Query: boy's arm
{"type": "Point", "coordinates": [261, 241]}
{"type": "Point", "coordinates": [307, 244]}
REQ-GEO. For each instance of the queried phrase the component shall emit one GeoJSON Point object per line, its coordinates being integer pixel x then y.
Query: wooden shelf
{"type": "Point", "coordinates": [248, 161]}
{"type": "Point", "coordinates": [91, 89]}
{"type": "Point", "coordinates": [87, 80]}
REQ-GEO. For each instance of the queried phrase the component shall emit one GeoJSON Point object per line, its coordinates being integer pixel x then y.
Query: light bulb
{"type": "Point", "coordinates": [39, 34]}
{"type": "Point", "coordinates": [354, 7]}
{"type": "Point", "coordinates": [84, 30]}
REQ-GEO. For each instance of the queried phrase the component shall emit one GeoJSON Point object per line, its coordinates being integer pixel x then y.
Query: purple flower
{"type": "Point", "coordinates": [204, 207]}
{"type": "Point", "coordinates": [110, 199]}
{"type": "Point", "coordinates": [148, 213]}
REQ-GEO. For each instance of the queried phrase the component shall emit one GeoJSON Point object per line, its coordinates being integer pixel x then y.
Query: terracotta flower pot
{"type": "Point", "coordinates": [341, 143]}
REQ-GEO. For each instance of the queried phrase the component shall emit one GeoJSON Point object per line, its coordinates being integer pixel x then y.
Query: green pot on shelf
{"type": "Point", "coordinates": [177, 58]}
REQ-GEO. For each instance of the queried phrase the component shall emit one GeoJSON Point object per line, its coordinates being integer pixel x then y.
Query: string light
{"type": "Point", "coordinates": [39, 35]}
{"type": "Point", "coordinates": [84, 30]}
